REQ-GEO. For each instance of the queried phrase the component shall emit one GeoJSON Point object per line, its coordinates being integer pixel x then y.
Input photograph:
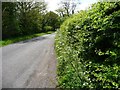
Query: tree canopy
{"type": "Point", "coordinates": [25, 18]}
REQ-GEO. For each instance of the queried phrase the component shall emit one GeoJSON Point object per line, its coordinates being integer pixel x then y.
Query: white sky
{"type": "Point", "coordinates": [53, 4]}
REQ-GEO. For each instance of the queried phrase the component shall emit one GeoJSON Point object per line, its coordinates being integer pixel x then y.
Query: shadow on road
{"type": "Point", "coordinates": [32, 40]}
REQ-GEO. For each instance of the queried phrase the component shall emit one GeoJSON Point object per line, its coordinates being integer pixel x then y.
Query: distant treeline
{"type": "Point", "coordinates": [25, 18]}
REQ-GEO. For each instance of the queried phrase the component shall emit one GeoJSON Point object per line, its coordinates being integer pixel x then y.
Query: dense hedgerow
{"type": "Point", "coordinates": [88, 48]}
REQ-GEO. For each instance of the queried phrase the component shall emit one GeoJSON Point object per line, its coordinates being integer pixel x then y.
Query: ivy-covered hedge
{"type": "Point", "coordinates": [88, 48]}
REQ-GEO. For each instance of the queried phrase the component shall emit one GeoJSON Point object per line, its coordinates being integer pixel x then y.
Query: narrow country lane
{"type": "Point", "coordinates": [29, 64]}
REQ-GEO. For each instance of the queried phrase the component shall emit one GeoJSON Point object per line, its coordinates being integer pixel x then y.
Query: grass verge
{"type": "Point", "coordinates": [21, 38]}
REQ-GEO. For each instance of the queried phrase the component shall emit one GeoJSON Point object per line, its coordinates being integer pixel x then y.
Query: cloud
{"type": "Point", "coordinates": [52, 4]}
{"type": "Point", "coordinates": [82, 6]}
{"type": "Point", "coordinates": [85, 4]}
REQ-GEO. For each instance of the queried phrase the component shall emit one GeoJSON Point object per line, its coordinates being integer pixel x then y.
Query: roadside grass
{"type": "Point", "coordinates": [21, 38]}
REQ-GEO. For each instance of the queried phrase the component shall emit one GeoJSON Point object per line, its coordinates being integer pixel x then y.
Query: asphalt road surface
{"type": "Point", "coordinates": [29, 64]}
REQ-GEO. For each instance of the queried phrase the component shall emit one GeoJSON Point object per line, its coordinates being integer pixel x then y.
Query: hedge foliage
{"type": "Point", "coordinates": [88, 48]}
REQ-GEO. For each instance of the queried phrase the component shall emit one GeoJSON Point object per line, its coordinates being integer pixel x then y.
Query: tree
{"type": "Point", "coordinates": [67, 7]}
{"type": "Point", "coordinates": [10, 25]}
{"type": "Point", "coordinates": [60, 11]}
{"type": "Point", "coordinates": [30, 16]}
{"type": "Point", "coordinates": [22, 18]}
{"type": "Point", "coordinates": [52, 20]}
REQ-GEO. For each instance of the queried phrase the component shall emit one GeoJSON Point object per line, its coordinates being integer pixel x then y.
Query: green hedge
{"type": "Point", "coordinates": [88, 48]}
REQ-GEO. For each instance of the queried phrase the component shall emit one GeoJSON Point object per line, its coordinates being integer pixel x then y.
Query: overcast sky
{"type": "Point", "coordinates": [53, 4]}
